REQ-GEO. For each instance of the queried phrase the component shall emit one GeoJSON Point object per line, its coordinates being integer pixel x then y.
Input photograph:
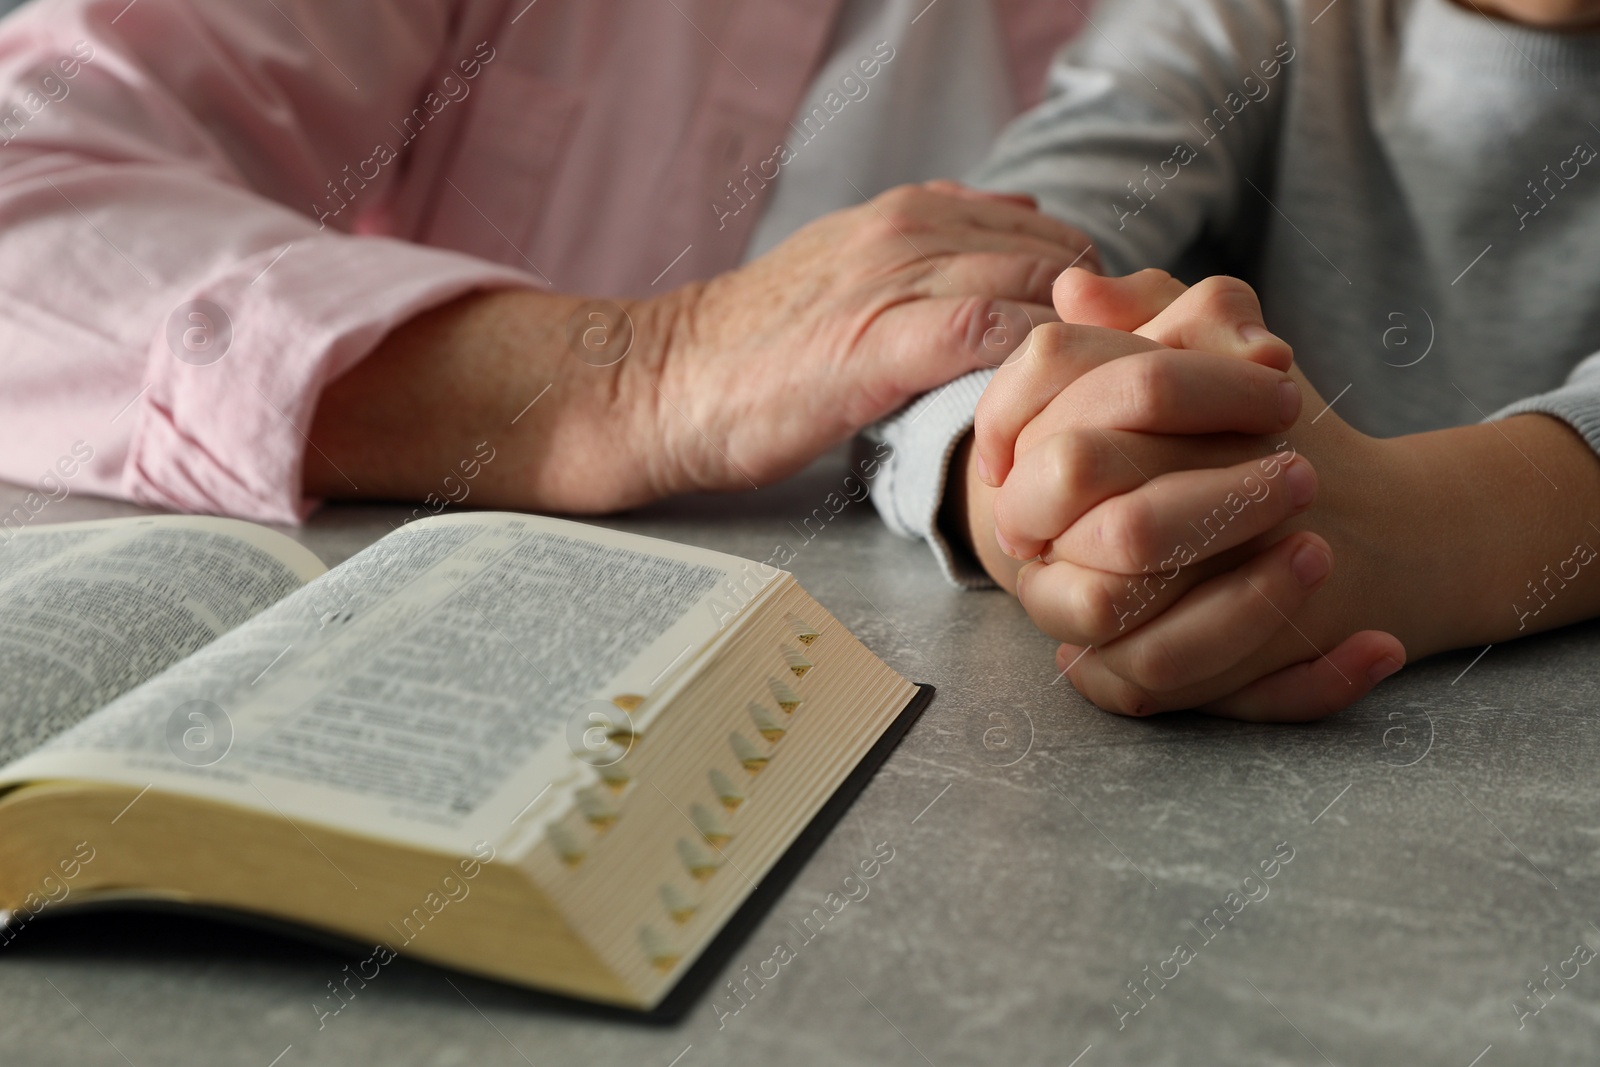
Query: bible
{"type": "Point", "coordinates": [525, 748]}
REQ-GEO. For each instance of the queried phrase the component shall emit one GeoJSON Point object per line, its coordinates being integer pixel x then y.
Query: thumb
{"type": "Point", "coordinates": [1126, 303]}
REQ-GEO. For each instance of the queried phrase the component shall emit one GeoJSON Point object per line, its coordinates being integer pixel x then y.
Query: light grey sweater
{"type": "Point", "coordinates": [1413, 189]}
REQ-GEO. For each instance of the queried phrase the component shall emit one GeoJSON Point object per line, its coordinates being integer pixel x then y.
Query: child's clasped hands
{"type": "Point", "coordinates": [1149, 462]}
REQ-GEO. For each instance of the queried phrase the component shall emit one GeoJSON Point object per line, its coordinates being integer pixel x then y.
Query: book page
{"type": "Point", "coordinates": [89, 610]}
{"type": "Point", "coordinates": [425, 690]}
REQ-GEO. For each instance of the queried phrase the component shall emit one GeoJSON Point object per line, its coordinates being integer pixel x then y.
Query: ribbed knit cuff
{"type": "Point", "coordinates": [1577, 403]}
{"type": "Point", "coordinates": [910, 486]}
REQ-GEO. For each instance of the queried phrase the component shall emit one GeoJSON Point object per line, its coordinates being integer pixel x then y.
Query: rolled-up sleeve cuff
{"type": "Point", "coordinates": [234, 373]}
{"type": "Point", "coordinates": [1577, 403]}
{"type": "Point", "coordinates": [910, 487]}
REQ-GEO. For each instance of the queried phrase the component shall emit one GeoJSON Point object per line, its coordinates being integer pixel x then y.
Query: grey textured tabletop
{"type": "Point", "coordinates": [1434, 852]}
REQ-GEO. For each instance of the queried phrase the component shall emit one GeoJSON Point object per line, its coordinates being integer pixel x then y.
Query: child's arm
{"type": "Point", "coordinates": [1458, 537]}
{"type": "Point", "coordinates": [1154, 118]}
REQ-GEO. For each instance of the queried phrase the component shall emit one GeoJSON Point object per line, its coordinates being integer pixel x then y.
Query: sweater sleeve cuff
{"type": "Point", "coordinates": [234, 374]}
{"type": "Point", "coordinates": [1577, 403]}
{"type": "Point", "coordinates": [910, 486]}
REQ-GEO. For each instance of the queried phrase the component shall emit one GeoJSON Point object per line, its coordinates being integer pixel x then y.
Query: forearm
{"type": "Point", "coordinates": [466, 373]}
{"type": "Point", "coordinates": [1499, 534]}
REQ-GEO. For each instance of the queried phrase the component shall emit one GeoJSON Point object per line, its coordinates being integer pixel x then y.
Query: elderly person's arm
{"type": "Point", "coordinates": [723, 385]}
{"type": "Point", "coordinates": [183, 296]}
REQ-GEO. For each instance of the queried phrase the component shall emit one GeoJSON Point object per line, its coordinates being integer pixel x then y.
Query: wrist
{"type": "Point", "coordinates": [651, 420]}
{"type": "Point", "coordinates": [1381, 507]}
{"type": "Point", "coordinates": [1503, 505]}
{"type": "Point", "coordinates": [967, 516]}
{"type": "Point", "coordinates": [1465, 539]}
{"type": "Point", "coordinates": [1409, 550]}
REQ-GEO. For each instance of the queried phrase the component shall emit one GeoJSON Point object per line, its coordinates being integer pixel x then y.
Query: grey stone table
{"type": "Point", "coordinates": [1443, 840]}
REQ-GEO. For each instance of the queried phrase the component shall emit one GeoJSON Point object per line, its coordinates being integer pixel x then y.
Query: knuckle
{"type": "Point", "coordinates": [1224, 294]}
{"type": "Point", "coordinates": [1009, 326]}
{"type": "Point", "coordinates": [897, 196]}
{"type": "Point", "coordinates": [1154, 276]}
{"type": "Point", "coordinates": [1128, 532]}
{"type": "Point", "coordinates": [899, 223]}
{"type": "Point", "coordinates": [1151, 382]}
{"type": "Point", "coordinates": [1053, 467]}
{"type": "Point", "coordinates": [881, 229]}
{"type": "Point", "coordinates": [1157, 283]}
{"type": "Point", "coordinates": [973, 320]}
{"type": "Point", "coordinates": [1153, 664]}
{"type": "Point", "coordinates": [1048, 339]}
{"type": "Point", "coordinates": [1054, 470]}
{"type": "Point", "coordinates": [1092, 609]}
{"type": "Point", "coordinates": [1073, 464]}
{"type": "Point", "coordinates": [902, 207]}
{"type": "Point", "coordinates": [1223, 287]}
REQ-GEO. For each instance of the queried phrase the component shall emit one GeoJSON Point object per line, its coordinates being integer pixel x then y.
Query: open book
{"type": "Point", "coordinates": [522, 747]}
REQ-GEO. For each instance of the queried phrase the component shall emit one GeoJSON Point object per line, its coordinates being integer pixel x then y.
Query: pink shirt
{"type": "Point", "coordinates": [211, 208]}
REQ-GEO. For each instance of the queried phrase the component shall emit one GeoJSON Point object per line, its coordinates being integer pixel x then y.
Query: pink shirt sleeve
{"type": "Point", "coordinates": [168, 300]}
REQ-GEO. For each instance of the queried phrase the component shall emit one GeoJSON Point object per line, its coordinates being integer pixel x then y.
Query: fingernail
{"type": "Point", "coordinates": [1302, 483]}
{"type": "Point", "coordinates": [983, 472]}
{"type": "Point", "coordinates": [1382, 669]}
{"type": "Point", "coordinates": [1061, 658]}
{"type": "Point", "coordinates": [1005, 546]}
{"type": "Point", "coordinates": [1309, 565]}
{"type": "Point", "coordinates": [1254, 332]}
{"type": "Point", "coordinates": [1288, 402]}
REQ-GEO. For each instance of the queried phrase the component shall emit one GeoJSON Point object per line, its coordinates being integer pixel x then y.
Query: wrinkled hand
{"type": "Point", "coordinates": [1182, 535]}
{"type": "Point", "coordinates": [843, 323]}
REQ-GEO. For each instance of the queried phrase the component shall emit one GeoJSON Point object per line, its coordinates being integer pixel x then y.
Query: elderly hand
{"type": "Point", "coordinates": [843, 323]}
